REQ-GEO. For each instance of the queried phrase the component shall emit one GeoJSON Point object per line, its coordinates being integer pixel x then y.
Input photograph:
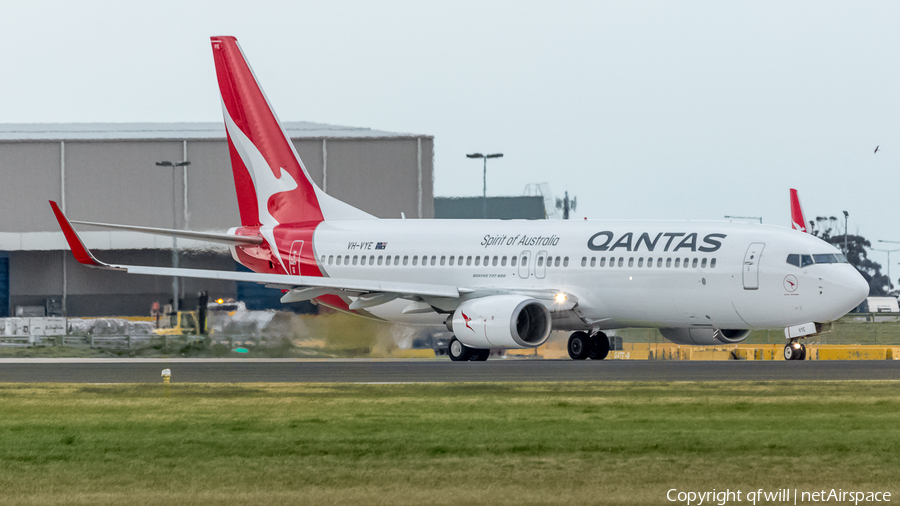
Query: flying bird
{"type": "Point", "coordinates": [876, 147]}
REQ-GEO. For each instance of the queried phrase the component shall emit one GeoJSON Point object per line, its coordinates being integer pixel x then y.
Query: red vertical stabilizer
{"type": "Point", "coordinates": [272, 185]}
{"type": "Point", "coordinates": [798, 222]}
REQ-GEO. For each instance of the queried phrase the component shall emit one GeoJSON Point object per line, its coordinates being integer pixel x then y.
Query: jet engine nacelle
{"type": "Point", "coordinates": [705, 336]}
{"type": "Point", "coordinates": [501, 321]}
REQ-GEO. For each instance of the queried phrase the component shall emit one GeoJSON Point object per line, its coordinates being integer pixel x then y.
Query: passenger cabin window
{"type": "Point", "coordinates": [566, 262]}
{"type": "Point", "coordinates": [540, 261]}
{"type": "Point", "coordinates": [593, 261]}
{"type": "Point", "coordinates": [513, 260]}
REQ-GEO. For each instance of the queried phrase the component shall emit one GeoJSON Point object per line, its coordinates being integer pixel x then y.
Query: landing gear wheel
{"type": "Point", "coordinates": [476, 355]}
{"type": "Point", "coordinates": [600, 346]}
{"type": "Point", "coordinates": [794, 351]}
{"type": "Point", "coordinates": [580, 345]}
{"type": "Point", "coordinates": [458, 351]}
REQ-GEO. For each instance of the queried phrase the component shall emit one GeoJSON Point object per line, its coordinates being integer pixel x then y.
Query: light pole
{"type": "Point", "coordinates": [484, 191]}
{"type": "Point", "coordinates": [888, 251]}
{"type": "Point", "coordinates": [846, 215]}
{"type": "Point", "coordinates": [174, 166]}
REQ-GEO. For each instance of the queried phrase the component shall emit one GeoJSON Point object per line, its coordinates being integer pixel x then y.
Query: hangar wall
{"type": "Point", "coordinates": [107, 173]}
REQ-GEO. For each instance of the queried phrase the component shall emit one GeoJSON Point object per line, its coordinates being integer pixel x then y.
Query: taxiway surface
{"type": "Point", "coordinates": [428, 371]}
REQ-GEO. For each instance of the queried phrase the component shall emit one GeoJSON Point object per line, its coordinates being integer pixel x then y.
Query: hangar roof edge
{"type": "Point", "coordinates": [176, 131]}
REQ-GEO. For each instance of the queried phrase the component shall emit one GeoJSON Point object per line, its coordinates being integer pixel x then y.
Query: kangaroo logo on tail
{"type": "Point", "coordinates": [274, 190]}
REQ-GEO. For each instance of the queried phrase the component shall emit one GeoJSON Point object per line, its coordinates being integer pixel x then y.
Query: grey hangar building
{"type": "Point", "coordinates": [107, 173]}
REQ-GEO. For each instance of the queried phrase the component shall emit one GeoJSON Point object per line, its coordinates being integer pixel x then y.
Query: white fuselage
{"type": "Point", "coordinates": [676, 274]}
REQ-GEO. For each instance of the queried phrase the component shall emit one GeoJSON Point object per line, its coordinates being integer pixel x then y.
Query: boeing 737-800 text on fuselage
{"type": "Point", "coordinates": [502, 283]}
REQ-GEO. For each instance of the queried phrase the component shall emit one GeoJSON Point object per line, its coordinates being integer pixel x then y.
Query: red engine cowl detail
{"type": "Point", "coordinates": [502, 321]}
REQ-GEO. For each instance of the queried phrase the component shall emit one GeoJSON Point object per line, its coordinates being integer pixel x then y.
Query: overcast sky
{"type": "Point", "coordinates": [681, 110]}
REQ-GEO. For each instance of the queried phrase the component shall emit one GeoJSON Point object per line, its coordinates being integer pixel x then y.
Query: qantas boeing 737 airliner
{"type": "Point", "coordinates": [503, 283]}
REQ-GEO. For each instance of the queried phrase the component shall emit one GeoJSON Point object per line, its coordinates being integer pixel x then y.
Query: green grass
{"type": "Point", "coordinates": [505, 444]}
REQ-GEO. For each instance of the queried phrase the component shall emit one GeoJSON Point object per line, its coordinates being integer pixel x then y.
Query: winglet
{"type": "Point", "coordinates": [82, 254]}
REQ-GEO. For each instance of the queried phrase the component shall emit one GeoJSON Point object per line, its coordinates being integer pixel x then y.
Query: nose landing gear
{"type": "Point", "coordinates": [794, 351]}
{"type": "Point", "coordinates": [582, 346]}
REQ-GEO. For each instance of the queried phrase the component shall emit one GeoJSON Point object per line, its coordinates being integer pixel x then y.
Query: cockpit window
{"type": "Point", "coordinates": [822, 258]}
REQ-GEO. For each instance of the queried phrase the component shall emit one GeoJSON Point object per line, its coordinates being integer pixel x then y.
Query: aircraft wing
{"type": "Point", "coordinates": [187, 234]}
{"type": "Point", "coordinates": [317, 286]}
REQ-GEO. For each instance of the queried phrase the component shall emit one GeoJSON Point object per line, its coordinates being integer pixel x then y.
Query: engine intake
{"type": "Point", "coordinates": [501, 321]}
{"type": "Point", "coordinates": [705, 336]}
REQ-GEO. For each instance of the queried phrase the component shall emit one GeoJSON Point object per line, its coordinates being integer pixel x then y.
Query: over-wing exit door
{"type": "Point", "coordinates": [523, 264]}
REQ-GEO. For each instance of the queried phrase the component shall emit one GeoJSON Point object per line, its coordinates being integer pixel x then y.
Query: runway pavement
{"type": "Point", "coordinates": [426, 371]}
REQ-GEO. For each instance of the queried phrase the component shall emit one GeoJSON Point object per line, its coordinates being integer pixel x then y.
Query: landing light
{"type": "Point", "coordinates": [561, 297]}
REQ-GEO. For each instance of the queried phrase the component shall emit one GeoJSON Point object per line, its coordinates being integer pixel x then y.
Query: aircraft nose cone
{"type": "Point", "coordinates": [855, 288]}
{"type": "Point", "coordinates": [859, 289]}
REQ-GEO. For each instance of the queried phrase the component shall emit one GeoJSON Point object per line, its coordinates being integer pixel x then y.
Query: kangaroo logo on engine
{"type": "Point", "coordinates": [607, 241]}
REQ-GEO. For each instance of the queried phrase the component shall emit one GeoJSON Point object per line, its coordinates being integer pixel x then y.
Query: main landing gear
{"type": "Point", "coordinates": [459, 352]}
{"type": "Point", "coordinates": [582, 346]}
{"type": "Point", "coordinates": [794, 351]}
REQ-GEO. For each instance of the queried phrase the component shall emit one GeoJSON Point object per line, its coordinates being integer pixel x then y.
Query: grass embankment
{"type": "Point", "coordinates": [507, 444]}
